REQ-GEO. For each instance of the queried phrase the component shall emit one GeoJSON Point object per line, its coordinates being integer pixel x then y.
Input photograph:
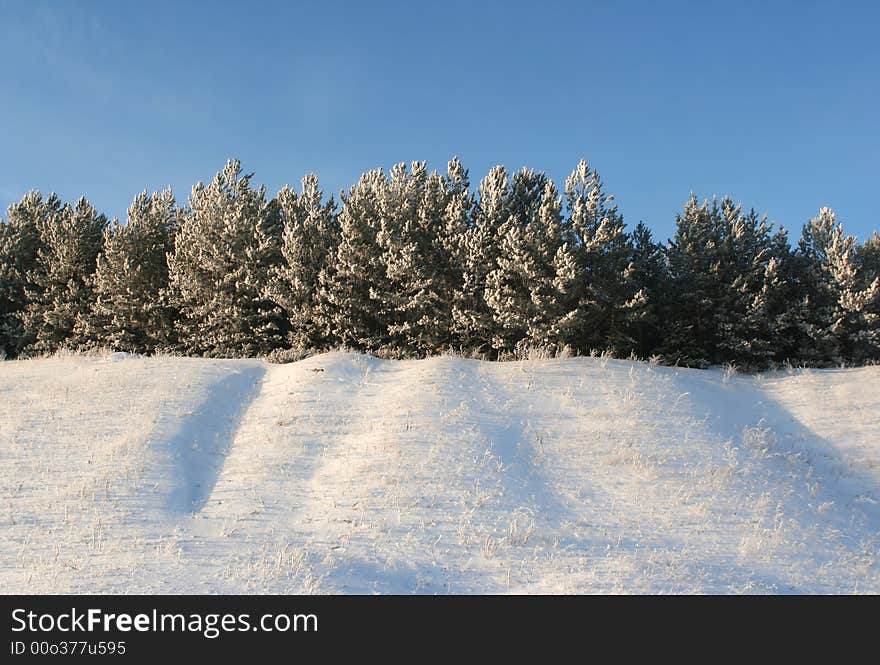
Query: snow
{"type": "Point", "coordinates": [347, 474]}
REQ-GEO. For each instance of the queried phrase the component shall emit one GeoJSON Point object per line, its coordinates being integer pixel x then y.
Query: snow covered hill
{"type": "Point", "coordinates": [343, 473]}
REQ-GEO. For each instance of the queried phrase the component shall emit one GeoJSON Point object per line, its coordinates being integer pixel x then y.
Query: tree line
{"type": "Point", "coordinates": [412, 263]}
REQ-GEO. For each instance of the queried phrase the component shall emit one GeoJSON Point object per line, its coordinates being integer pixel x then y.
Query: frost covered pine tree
{"type": "Point", "coordinates": [818, 344]}
{"type": "Point", "coordinates": [405, 245]}
{"type": "Point", "coordinates": [421, 255]}
{"type": "Point", "coordinates": [507, 288]}
{"type": "Point", "coordinates": [649, 276]}
{"type": "Point", "coordinates": [59, 288]}
{"type": "Point", "coordinates": [478, 254]}
{"type": "Point", "coordinates": [840, 312]}
{"type": "Point", "coordinates": [596, 284]}
{"type": "Point", "coordinates": [19, 247]}
{"type": "Point", "coordinates": [353, 294]}
{"type": "Point", "coordinates": [308, 249]}
{"type": "Point", "coordinates": [868, 258]}
{"type": "Point", "coordinates": [733, 290]}
{"type": "Point", "coordinates": [868, 267]}
{"type": "Point", "coordinates": [546, 239]}
{"type": "Point", "coordinates": [753, 317]}
{"type": "Point", "coordinates": [219, 269]}
{"type": "Point", "coordinates": [690, 308]}
{"type": "Point", "coordinates": [520, 290]}
{"type": "Point", "coordinates": [456, 220]}
{"type": "Point", "coordinates": [130, 310]}
{"type": "Point", "coordinates": [774, 312]}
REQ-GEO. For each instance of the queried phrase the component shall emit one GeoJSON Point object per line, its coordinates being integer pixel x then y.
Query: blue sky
{"type": "Point", "coordinates": [774, 103]}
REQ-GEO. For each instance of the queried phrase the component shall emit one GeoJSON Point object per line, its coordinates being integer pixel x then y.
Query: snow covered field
{"type": "Point", "coordinates": [347, 474]}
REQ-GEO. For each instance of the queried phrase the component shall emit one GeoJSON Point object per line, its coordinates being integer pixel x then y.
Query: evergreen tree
{"type": "Point", "coordinates": [456, 221]}
{"type": "Point", "coordinates": [354, 294]}
{"type": "Point", "coordinates": [753, 315]}
{"type": "Point", "coordinates": [521, 289]}
{"type": "Point", "coordinates": [775, 312]}
{"type": "Point", "coordinates": [650, 280]}
{"type": "Point", "coordinates": [420, 255]}
{"type": "Point", "coordinates": [857, 312]}
{"type": "Point", "coordinates": [405, 242]}
{"type": "Point", "coordinates": [868, 259]}
{"type": "Point", "coordinates": [19, 247]}
{"type": "Point", "coordinates": [309, 244]}
{"type": "Point", "coordinates": [817, 343]}
{"type": "Point", "coordinates": [474, 321]}
{"type": "Point", "coordinates": [59, 287]}
{"type": "Point", "coordinates": [840, 311]}
{"type": "Point", "coordinates": [131, 312]}
{"type": "Point", "coordinates": [545, 235]}
{"type": "Point", "coordinates": [695, 285]}
{"type": "Point", "coordinates": [593, 274]}
{"type": "Point", "coordinates": [219, 269]}
{"type": "Point", "coordinates": [729, 288]}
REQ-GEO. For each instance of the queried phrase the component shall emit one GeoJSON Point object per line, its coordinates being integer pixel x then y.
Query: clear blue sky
{"type": "Point", "coordinates": [774, 103]}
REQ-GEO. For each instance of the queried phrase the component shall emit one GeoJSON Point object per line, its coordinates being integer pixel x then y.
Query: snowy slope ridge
{"type": "Point", "coordinates": [343, 473]}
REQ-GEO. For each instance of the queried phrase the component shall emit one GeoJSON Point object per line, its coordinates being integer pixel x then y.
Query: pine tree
{"type": "Point", "coordinates": [59, 288]}
{"type": "Point", "coordinates": [474, 321]}
{"type": "Point", "coordinates": [19, 247]}
{"type": "Point", "coordinates": [521, 289]}
{"type": "Point", "coordinates": [455, 224]}
{"type": "Point", "coordinates": [857, 311]}
{"type": "Point", "coordinates": [752, 317]}
{"type": "Point", "coordinates": [868, 259]}
{"type": "Point", "coordinates": [219, 269]}
{"type": "Point", "coordinates": [353, 295]}
{"type": "Point", "coordinates": [592, 268]}
{"type": "Point", "coordinates": [729, 288]}
{"type": "Point", "coordinates": [131, 312]}
{"type": "Point", "coordinates": [405, 245]}
{"type": "Point", "coordinates": [420, 252]}
{"type": "Point", "coordinates": [649, 276]}
{"type": "Point", "coordinates": [546, 239]}
{"type": "Point", "coordinates": [840, 311]}
{"type": "Point", "coordinates": [774, 311]}
{"type": "Point", "coordinates": [868, 262]}
{"type": "Point", "coordinates": [309, 244]}
{"type": "Point", "coordinates": [695, 285]}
